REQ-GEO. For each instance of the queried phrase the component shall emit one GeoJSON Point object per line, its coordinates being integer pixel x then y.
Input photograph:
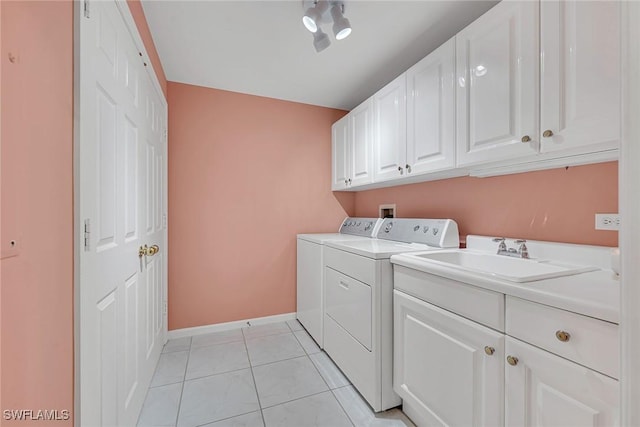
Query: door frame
{"type": "Point", "coordinates": [78, 237]}
{"type": "Point", "coordinates": [629, 203]}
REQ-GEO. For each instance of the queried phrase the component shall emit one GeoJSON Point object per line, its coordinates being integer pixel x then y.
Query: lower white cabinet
{"type": "Point", "coordinates": [448, 370]}
{"type": "Point", "coordinates": [543, 389]}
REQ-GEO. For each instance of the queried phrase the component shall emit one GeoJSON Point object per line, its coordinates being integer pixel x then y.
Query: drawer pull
{"type": "Point", "coordinates": [513, 361]}
{"type": "Point", "coordinates": [344, 285]}
{"type": "Point", "coordinates": [563, 336]}
{"type": "Point", "coordinates": [489, 350]}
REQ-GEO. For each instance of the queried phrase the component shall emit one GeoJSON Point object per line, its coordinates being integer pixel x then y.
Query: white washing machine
{"type": "Point", "coordinates": [310, 271]}
{"type": "Point", "coordinates": [358, 285]}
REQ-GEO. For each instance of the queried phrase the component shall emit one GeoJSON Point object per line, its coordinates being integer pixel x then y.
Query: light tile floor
{"type": "Point", "coordinates": [266, 375]}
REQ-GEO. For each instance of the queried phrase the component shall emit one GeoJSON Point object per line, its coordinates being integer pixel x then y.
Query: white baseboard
{"type": "Point", "coordinates": [218, 327]}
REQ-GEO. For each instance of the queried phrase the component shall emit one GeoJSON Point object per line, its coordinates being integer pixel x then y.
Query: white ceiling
{"type": "Point", "coordinates": [262, 48]}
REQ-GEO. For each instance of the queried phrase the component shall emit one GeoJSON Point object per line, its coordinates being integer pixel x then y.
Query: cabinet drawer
{"type": "Point", "coordinates": [480, 305]}
{"type": "Point", "coordinates": [348, 302]}
{"type": "Point", "coordinates": [356, 266]}
{"type": "Point", "coordinates": [590, 342]}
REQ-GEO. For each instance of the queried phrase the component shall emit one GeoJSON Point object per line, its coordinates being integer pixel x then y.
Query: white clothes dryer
{"type": "Point", "coordinates": [310, 271]}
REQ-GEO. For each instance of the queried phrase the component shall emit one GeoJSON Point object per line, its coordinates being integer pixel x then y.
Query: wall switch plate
{"type": "Point", "coordinates": [608, 221]}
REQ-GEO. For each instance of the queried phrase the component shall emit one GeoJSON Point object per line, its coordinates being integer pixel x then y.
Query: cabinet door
{"type": "Point", "coordinates": [441, 369]}
{"type": "Point", "coordinates": [546, 390]}
{"type": "Point", "coordinates": [580, 91]}
{"type": "Point", "coordinates": [497, 88]}
{"type": "Point", "coordinates": [361, 150]}
{"type": "Point", "coordinates": [431, 111]}
{"type": "Point", "coordinates": [390, 135]}
{"type": "Point", "coordinates": [340, 154]}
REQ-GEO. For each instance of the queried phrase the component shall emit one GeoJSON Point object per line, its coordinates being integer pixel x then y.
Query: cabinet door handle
{"type": "Point", "coordinates": [400, 169]}
{"type": "Point", "coordinates": [526, 138]}
{"type": "Point", "coordinates": [408, 166]}
{"type": "Point", "coordinates": [346, 182]}
{"type": "Point", "coordinates": [547, 133]}
{"type": "Point", "coordinates": [349, 181]}
{"type": "Point", "coordinates": [563, 336]}
{"type": "Point", "coordinates": [489, 350]}
{"type": "Point", "coordinates": [511, 360]}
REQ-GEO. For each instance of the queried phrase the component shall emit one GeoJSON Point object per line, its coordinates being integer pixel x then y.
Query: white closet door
{"type": "Point", "coordinates": [390, 130]}
{"type": "Point", "coordinates": [121, 191]}
{"type": "Point", "coordinates": [361, 144]}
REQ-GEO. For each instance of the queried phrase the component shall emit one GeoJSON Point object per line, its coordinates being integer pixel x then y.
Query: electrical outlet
{"type": "Point", "coordinates": [608, 221]}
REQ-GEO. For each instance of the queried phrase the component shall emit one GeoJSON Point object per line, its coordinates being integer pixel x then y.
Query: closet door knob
{"type": "Point", "coordinates": [513, 361]}
{"type": "Point", "coordinates": [563, 336]}
{"type": "Point", "coordinates": [400, 169]}
{"type": "Point", "coordinates": [526, 138]}
{"type": "Point", "coordinates": [547, 133]}
{"type": "Point", "coordinates": [489, 350]}
{"type": "Point", "coordinates": [408, 166]}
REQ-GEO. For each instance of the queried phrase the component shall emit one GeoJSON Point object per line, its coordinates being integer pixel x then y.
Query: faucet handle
{"type": "Point", "coordinates": [502, 247]}
{"type": "Point", "coordinates": [522, 250]}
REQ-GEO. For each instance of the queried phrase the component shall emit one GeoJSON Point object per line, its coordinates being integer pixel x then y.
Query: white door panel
{"type": "Point", "coordinates": [497, 84]}
{"type": "Point", "coordinates": [546, 390]}
{"type": "Point", "coordinates": [441, 369]}
{"type": "Point", "coordinates": [121, 198]}
{"type": "Point", "coordinates": [340, 174]}
{"type": "Point", "coordinates": [431, 111]}
{"type": "Point", "coordinates": [361, 140]}
{"type": "Point", "coordinates": [580, 93]}
{"type": "Point", "coordinates": [390, 133]}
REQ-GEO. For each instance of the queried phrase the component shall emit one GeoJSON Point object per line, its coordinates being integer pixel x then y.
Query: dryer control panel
{"type": "Point", "coordinates": [439, 233]}
{"type": "Point", "coordinates": [365, 227]}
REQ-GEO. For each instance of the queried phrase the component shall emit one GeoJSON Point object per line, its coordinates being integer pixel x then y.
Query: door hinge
{"type": "Point", "coordinates": [164, 308]}
{"type": "Point", "coordinates": [86, 9]}
{"type": "Point", "coordinates": [87, 235]}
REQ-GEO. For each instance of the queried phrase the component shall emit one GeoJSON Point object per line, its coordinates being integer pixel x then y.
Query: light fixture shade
{"type": "Point", "coordinates": [320, 40]}
{"type": "Point", "coordinates": [312, 16]}
{"type": "Point", "coordinates": [341, 25]}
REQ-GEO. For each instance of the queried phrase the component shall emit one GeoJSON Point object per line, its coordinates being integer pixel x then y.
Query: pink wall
{"type": "Point", "coordinates": [143, 28]}
{"type": "Point", "coordinates": [37, 206]}
{"type": "Point", "coordinates": [556, 205]}
{"type": "Point", "coordinates": [237, 162]}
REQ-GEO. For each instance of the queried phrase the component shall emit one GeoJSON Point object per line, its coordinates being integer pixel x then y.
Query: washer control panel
{"type": "Point", "coordinates": [366, 227]}
{"type": "Point", "coordinates": [440, 233]}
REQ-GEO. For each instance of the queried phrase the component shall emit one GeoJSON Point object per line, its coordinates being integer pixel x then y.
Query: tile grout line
{"type": "Point", "coordinates": [253, 377]}
{"type": "Point", "coordinates": [183, 381]}
{"type": "Point", "coordinates": [340, 403]}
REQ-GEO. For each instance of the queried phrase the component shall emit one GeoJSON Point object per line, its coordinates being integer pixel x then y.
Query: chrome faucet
{"type": "Point", "coordinates": [521, 252]}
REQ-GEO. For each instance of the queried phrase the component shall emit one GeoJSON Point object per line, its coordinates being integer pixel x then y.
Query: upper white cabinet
{"type": "Point", "coordinates": [352, 148]}
{"type": "Point", "coordinates": [529, 85]}
{"type": "Point", "coordinates": [390, 117]}
{"type": "Point", "coordinates": [431, 112]}
{"type": "Point", "coordinates": [340, 154]}
{"type": "Point", "coordinates": [580, 90]}
{"type": "Point", "coordinates": [361, 141]}
{"type": "Point", "coordinates": [497, 85]}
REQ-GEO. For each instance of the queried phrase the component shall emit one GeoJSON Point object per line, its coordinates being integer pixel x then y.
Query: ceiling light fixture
{"type": "Point", "coordinates": [320, 40]}
{"type": "Point", "coordinates": [341, 25]}
{"type": "Point", "coordinates": [322, 12]}
{"type": "Point", "coordinates": [312, 16]}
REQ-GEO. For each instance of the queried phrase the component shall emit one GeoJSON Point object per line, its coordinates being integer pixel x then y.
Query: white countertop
{"type": "Point", "coordinates": [595, 294]}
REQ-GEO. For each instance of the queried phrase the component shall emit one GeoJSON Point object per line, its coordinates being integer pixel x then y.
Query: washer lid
{"type": "Point", "coordinates": [322, 238]}
{"type": "Point", "coordinates": [377, 248]}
